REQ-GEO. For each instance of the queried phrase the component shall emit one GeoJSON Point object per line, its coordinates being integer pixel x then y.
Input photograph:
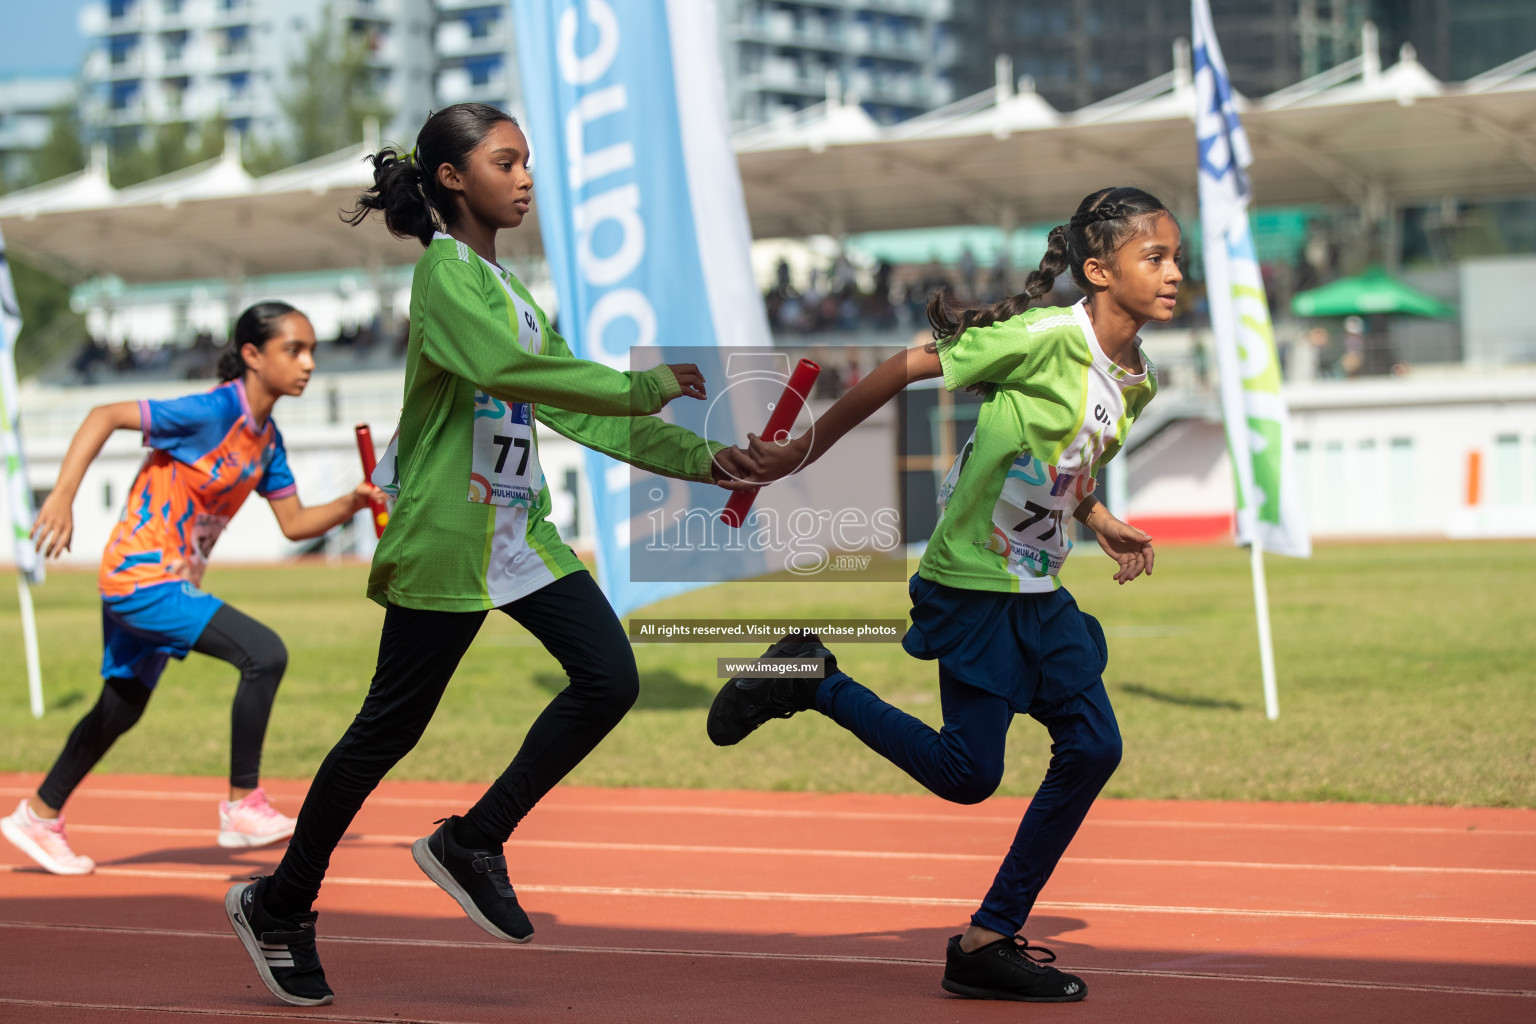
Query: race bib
{"type": "Point", "coordinates": [504, 467]}
{"type": "Point", "coordinates": [1030, 521]}
{"type": "Point", "coordinates": [204, 534]}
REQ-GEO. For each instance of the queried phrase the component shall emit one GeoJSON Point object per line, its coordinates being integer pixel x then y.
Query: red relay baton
{"type": "Point", "coordinates": [365, 449]}
{"type": "Point", "coordinates": [779, 422]}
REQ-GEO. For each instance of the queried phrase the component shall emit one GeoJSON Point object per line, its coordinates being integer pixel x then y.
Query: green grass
{"type": "Point", "coordinates": [1405, 676]}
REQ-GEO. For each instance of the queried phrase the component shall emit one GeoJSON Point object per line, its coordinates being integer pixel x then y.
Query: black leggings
{"type": "Point", "coordinates": [418, 653]}
{"type": "Point", "coordinates": [230, 636]}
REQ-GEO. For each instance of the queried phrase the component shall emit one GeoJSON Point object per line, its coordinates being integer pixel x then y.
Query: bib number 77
{"type": "Point", "coordinates": [1040, 514]}
{"type": "Point", "coordinates": [506, 444]}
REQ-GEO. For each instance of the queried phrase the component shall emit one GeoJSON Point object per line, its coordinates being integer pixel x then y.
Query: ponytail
{"type": "Point", "coordinates": [1104, 221]}
{"type": "Point", "coordinates": [256, 326]}
{"type": "Point", "coordinates": [405, 186]}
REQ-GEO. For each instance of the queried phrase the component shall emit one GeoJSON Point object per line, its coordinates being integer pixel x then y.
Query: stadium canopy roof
{"type": "Point", "coordinates": [1359, 133]}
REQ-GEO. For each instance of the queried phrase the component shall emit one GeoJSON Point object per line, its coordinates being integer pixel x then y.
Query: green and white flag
{"type": "Point", "coordinates": [1258, 425]}
{"type": "Point", "coordinates": [18, 492]}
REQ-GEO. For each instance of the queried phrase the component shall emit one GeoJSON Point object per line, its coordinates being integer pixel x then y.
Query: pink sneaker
{"type": "Point", "coordinates": [252, 822]}
{"type": "Point", "coordinates": [44, 841]}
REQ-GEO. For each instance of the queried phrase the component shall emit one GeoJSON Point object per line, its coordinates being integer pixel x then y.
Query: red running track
{"type": "Point", "coordinates": [695, 906]}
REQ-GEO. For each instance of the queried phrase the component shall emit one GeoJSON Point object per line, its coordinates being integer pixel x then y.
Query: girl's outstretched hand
{"type": "Point", "coordinates": [1128, 546]}
{"type": "Point", "coordinates": [776, 460]}
{"type": "Point", "coordinates": [732, 468]}
{"type": "Point", "coordinates": [689, 379]}
{"type": "Point", "coordinates": [364, 494]}
{"type": "Point", "coordinates": [54, 526]}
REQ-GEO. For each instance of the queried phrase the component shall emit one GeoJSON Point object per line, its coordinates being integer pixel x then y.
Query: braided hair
{"type": "Point", "coordinates": [1104, 221]}
{"type": "Point", "coordinates": [405, 186]}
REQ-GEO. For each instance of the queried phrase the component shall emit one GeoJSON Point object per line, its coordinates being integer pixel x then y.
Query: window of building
{"type": "Point", "coordinates": [482, 69]}
{"type": "Point", "coordinates": [1334, 501]}
{"type": "Point", "coordinates": [1365, 484]}
{"type": "Point", "coordinates": [173, 45]}
{"type": "Point", "coordinates": [482, 23]}
{"type": "Point", "coordinates": [121, 48]}
{"type": "Point", "coordinates": [237, 40]}
{"type": "Point", "coordinates": [1505, 483]}
{"type": "Point", "coordinates": [124, 95]}
{"type": "Point", "coordinates": [1303, 470]}
{"type": "Point", "coordinates": [121, 8]}
{"type": "Point", "coordinates": [1401, 482]}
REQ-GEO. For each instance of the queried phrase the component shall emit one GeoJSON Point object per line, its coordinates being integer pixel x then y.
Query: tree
{"type": "Point", "coordinates": [333, 92]}
{"type": "Point", "coordinates": [63, 153]}
{"type": "Point", "coordinates": [166, 148]}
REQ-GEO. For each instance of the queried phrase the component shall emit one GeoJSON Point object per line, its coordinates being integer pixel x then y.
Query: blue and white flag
{"type": "Point", "coordinates": [18, 492]}
{"type": "Point", "coordinates": [1258, 425]}
{"type": "Point", "coordinates": [645, 230]}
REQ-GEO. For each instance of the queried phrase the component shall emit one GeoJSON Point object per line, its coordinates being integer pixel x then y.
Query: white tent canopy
{"type": "Point", "coordinates": [1359, 134]}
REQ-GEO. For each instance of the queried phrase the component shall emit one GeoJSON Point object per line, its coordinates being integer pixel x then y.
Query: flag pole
{"type": "Point", "coordinates": [1266, 642]}
{"type": "Point", "coordinates": [29, 640]}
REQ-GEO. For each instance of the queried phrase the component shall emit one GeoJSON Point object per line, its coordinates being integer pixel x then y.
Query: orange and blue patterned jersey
{"type": "Point", "coordinates": [207, 455]}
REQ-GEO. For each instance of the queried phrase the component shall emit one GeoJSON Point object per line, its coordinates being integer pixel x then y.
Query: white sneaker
{"type": "Point", "coordinates": [252, 822]}
{"type": "Point", "coordinates": [44, 841]}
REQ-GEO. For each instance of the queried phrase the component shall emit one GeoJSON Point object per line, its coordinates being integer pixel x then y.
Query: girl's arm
{"type": "Point", "coordinates": [462, 336]}
{"type": "Point", "coordinates": [883, 384]}
{"type": "Point", "coordinates": [301, 523]}
{"type": "Point", "coordinates": [54, 526]}
{"type": "Point", "coordinates": [1129, 547]}
{"type": "Point", "coordinates": [647, 442]}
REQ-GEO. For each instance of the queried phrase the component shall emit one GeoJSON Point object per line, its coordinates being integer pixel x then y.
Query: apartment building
{"type": "Point", "coordinates": [155, 62]}
{"type": "Point", "coordinates": [893, 57]}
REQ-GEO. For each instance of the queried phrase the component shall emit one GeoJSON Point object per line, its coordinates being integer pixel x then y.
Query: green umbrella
{"type": "Point", "coordinates": [1374, 291]}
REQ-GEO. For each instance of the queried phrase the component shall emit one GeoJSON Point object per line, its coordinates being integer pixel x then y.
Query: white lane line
{"type": "Point", "coordinates": [813, 897]}
{"type": "Point", "coordinates": [204, 1011]}
{"type": "Point", "coordinates": [794, 957]}
{"type": "Point", "coordinates": [384, 839]}
{"type": "Point", "coordinates": [558, 807]}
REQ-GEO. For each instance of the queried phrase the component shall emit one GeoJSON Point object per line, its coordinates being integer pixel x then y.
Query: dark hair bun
{"type": "Point", "coordinates": [256, 326]}
{"type": "Point", "coordinates": [405, 187]}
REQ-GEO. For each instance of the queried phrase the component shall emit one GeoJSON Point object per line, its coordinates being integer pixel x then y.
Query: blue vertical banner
{"type": "Point", "coordinates": [643, 221]}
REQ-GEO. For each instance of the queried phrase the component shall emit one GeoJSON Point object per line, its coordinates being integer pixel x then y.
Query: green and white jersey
{"type": "Point", "coordinates": [1058, 410]}
{"type": "Point", "coordinates": [469, 529]}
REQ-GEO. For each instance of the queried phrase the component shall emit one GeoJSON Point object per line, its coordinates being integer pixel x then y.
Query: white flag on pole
{"type": "Point", "coordinates": [17, 491]}
{"type": "Point", "coordinates": [1258, 425]}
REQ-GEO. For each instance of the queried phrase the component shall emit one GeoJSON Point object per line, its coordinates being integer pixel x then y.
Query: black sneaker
{"type": "Point", "coordinates": [1008, 969]}
{"type": "Point", "coordinates": [477, 879]}
{"type": "Point", "coordinates": [283, 951]}
{"type": "Point", "coordinates": [746, 702]}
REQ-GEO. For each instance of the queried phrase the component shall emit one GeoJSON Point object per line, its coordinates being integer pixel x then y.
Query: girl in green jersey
{"type": "Point", "coordinates": [470, 532]}
{"type": "Point", "coordinates": [1062, 387]}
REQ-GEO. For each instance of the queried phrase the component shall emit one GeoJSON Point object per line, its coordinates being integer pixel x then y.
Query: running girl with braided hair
{"type": "Point", "coordinates": [1062, 387]}
{"type": "Point", "coordinates": [207, 453]}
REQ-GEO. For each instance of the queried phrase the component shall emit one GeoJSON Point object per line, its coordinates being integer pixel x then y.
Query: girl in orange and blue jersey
{"type": "Point", "coordinates": [208, 453]}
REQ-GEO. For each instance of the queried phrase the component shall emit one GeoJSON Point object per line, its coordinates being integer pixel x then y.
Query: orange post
{"type": "Point", "coordinates": [1474, 478]}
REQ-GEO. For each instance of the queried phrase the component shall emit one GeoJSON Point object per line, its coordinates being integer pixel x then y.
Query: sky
{"type": "Point", "coordinates": [40, 37]}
